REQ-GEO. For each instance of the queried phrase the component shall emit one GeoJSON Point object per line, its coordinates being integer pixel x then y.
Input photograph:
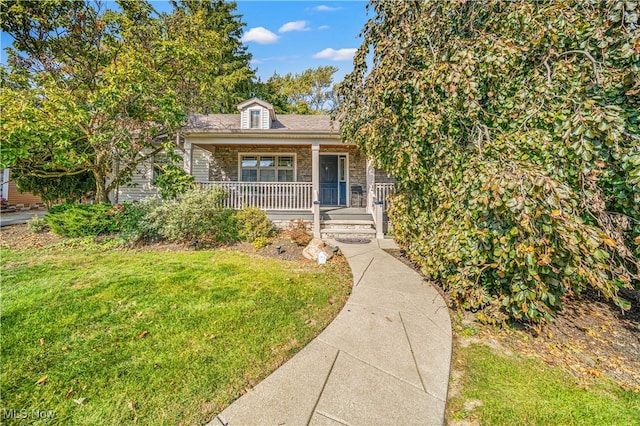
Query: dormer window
{"type": "Point", "coordinates": [255, 119]}
{"type": "Point", "coordinates": [256, 114]}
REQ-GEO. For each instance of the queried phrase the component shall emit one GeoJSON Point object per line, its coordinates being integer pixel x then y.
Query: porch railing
{"type": "Point", "coordinates": [266, 195]}
{"type": "Point", "coordinates": [383, 190]}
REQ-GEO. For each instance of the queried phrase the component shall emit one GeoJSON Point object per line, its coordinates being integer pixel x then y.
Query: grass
{"type": "Point", "coordinates": [152, 337]}
{"type": "Point", "coordinates": [524, 391]}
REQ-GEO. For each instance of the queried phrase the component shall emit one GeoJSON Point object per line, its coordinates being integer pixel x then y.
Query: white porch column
{"type": "Point", "coordinates": [315, 187]}
{"type": "Point", "coordinates": [188, 152]}
{"type": "Point", "coordinates": [371, 186]}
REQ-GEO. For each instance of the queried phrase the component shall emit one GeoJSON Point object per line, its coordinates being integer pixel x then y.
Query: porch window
{"type": "Point", "coordinates": [255, 119]}
{"type": "Point", "coordinates": [267, 168]}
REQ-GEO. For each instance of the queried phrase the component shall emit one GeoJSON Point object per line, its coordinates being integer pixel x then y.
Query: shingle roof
{"type": "Point", "coordinates": [230, 123]}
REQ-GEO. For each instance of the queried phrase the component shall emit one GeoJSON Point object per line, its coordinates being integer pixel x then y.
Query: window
{"type": "Point", "coordinates": [255, 119]}
{"type": "Point", "coordinates": [267, 168]}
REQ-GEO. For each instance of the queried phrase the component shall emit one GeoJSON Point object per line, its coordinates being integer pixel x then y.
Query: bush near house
{"type": "Point", "coordinates": [82, 220]}
{"type": "Point", "coordinates": [254, 226]}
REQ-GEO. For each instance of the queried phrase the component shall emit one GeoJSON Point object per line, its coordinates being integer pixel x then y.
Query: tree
{"type": "Point", "coordinates": [95, 90]}
{"type": "Point", "coordinates": [511, 129]}
{"type": "Point", "coordinates": [309, 92]}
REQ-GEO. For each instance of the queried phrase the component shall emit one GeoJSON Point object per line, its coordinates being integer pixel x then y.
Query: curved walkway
{"type": "Point", "coordinates": [384, 359]}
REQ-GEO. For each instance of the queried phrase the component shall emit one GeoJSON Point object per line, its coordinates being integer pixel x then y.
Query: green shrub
{"type": "Point", "coordinates": [38, 224]}
{"type": "Point", "coordinates": [173, 181]}
{"type": "Point", "coordinates": [298, 232]}
{"type": "Point", "coordinates": [260, 242]}
{"type": "Point", "coordinates": [82, 220]}
{"type": "Point", "coordinates": [198, 214]}
{"type": "Point", "coordinates": [254, 224]}
{"type": "Point", "coordinates": [134, 221]}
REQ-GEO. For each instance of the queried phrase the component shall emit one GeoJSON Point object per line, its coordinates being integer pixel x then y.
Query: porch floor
{"type": "Point", "coordinates": [326, 213]}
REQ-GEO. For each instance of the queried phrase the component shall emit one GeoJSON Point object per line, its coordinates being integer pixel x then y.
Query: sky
{"type": "Point", "coordinates": [291, 36]}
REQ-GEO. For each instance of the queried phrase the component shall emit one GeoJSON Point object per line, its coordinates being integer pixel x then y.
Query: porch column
{"type": "Point", "coordinates": [371, 186]}
{"type": "Point", "coordinates": [187, 156]}
{"type": "Point", "coordinates": [315, 187]}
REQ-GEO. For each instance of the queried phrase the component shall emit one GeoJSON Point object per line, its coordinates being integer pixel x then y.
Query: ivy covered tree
{"type": "Point", "coordinates": [512, 130]}
{"type": "Point", "coordinates": [91, 89]}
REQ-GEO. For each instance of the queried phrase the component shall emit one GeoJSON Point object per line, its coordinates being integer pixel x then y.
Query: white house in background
{"type": "Point", "coordinates": [293, 166]}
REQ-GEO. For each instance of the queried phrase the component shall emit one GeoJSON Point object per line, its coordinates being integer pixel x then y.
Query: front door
{"type": "Point", "coordinates": [333, 182]}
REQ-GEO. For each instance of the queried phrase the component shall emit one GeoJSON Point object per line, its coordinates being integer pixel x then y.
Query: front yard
{"type": "Point", "coordinates": [109, 336]}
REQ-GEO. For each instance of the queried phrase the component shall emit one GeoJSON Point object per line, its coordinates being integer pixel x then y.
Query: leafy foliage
{"type": "Point", "coordinates": [69, 188]}
{"type": "Point", "coordinates": [173, 181]}
{"type": "Point", "coordinates": [254, 226]}
{"type": "Point", "coordinates": [511, 129]}
{"type": "Point", "coordinates": [134, 222]}
{"type": "Point", "coordinates": [308, 92]}
{"type": "Point", "coordinates": [298, 232]}
{"type": "Point", "coordinates": [82, 220]}
{"type": "Point", "coordinates": [197, 215]}
{"type": "Point", "coordinates": [87, 88]}
{"type": "Point", "coordinates": [38, 224]}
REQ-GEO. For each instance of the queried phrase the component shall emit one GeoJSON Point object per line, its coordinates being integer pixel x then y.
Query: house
{"type": "Point", "coordinates": [13, 197]}
{"type": "Point", "coordinates": [293, 166]}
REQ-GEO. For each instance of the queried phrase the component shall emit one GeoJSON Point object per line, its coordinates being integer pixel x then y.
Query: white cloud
{"type": "Point", "coordinates": [260, 35]}
{"type": "Point", "coordinates": [324, 27]}
{"type": "Point", "coordinates": [294, 26]}
{"type": "Point", "coordinates": [335, 55]}
{"type": "Point", "coordinates": [325, 8]}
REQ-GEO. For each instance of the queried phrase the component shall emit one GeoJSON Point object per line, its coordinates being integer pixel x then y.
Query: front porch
{"type": "Point", "coordinates": [289, 201]}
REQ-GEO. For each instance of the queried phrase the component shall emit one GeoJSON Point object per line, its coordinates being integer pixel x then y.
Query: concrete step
{"type": "Point", "coordinates": [348, 233]}
{"type": "Point", "coordinates": [347, 224]}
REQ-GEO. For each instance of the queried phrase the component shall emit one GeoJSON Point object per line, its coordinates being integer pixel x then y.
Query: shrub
{"type": "Point", "coordinates": [196, 215]}
{"type": "Point", "coordinates": [298, 232]}
{"type": "Point", "coordinates": [260, 242]}
{"type": "Point", "coordinates": [173, 181]}
{"type": "Point", "coordinates": [38, 224]}
{"type": "Point", "coordinates": [254, 224]}
{"type": "Point", "coordinates": [82, 220]}
{"type": "Point", "coordinates": [134, 221]}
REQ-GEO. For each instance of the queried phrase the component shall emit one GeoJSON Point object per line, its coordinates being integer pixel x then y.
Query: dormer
{"type": "Point", "coordinates": [256, 114]}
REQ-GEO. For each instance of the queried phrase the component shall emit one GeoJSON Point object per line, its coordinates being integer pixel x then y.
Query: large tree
{"type": "Point", "coordinates": [512, 131]}
{"type": "Point", "coordinates": [89, 89]}
{"type": "Point", "coordinates": [308, 92]}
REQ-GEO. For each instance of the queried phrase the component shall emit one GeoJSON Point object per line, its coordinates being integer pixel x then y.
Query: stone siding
{"type": "Point", "coordinates": [224, 163]}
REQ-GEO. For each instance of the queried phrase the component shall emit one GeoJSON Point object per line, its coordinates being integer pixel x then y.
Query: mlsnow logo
{"type": "Point", "coordinates": [23, 413]}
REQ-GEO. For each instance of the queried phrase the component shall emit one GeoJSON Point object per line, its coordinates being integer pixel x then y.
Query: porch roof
{"type": "Point", "coordinates": [320, 125]}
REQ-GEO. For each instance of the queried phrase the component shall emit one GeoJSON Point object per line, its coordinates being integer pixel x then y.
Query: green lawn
{"type": "Point", "coordinates": [161, 337]}
{"type": "Point", "coordinates": [522, 391]}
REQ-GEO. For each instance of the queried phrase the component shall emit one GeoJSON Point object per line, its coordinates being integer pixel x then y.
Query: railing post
{"type": "Point", "coordinates": [316, 215]}
{"type": "Point", "coordinates": [378, 207]}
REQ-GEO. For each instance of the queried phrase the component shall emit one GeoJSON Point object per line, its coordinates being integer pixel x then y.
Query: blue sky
{"type": "Point", "coordinates": [291, 36]}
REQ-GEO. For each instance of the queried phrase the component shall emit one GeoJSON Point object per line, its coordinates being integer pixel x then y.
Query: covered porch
{"type": "Point", "coordinates": [287, 201]}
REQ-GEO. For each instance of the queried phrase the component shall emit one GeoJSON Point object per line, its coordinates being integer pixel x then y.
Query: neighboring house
{"type": "Point", "coordinates": [293, 166]}
{"type": "Point", "coordinates": [14, 197]}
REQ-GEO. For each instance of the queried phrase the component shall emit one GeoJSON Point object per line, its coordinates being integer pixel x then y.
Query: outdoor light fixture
{"type": "Point", "coordinates": [279, 249]}
{"type": "Point", "coordinates": [194, 243]}
{"type": "Point", "coordinates": [335, 250]}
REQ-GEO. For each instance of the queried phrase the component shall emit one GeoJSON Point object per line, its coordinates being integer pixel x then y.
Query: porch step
{"type": "Point", "coordinates": [342, 228]}
{"type": "Point", "coordinates": [348, 233]}
{"type": "Point", "coordinates": [347, 224]}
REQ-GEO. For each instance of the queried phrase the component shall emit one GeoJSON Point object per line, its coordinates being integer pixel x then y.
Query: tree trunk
{"type": "Point", "coordinates": [102, 194]}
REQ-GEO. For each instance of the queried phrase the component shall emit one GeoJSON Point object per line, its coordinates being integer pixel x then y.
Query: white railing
{"type": "Point", "coordinates": [383, 190]}
{"type": "Point", "coordinates": [266, 195]}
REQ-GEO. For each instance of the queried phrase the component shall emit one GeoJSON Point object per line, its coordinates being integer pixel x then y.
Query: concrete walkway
{"type": "Point", "coordinates": [18, 217]}
{"type": "Point", "coordinates": [384, 360]}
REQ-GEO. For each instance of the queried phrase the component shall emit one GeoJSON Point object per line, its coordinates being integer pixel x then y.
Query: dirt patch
{"type": "Point", "coordinates": [591, 337]}
{"type": "Point", "coordinates": [20, 237]}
